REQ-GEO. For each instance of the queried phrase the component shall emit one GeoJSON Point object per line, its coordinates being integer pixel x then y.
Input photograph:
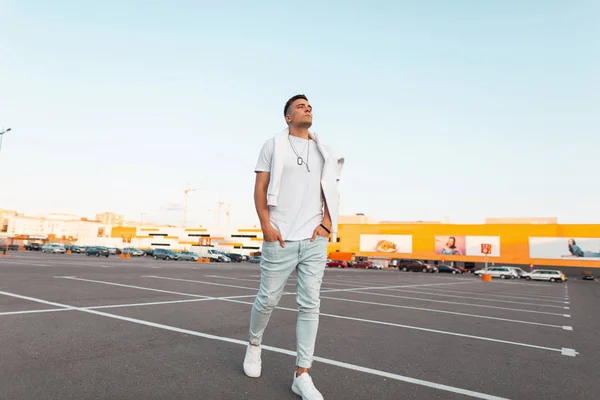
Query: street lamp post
{"type": "Point", "coordinates": [2, 135]}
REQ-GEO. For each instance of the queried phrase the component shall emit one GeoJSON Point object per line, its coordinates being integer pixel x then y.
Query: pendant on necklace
{"type": "Point", "coordinates": [300, 161]}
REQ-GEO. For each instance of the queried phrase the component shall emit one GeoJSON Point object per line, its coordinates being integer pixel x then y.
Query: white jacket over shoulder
{"type": "Point", "coordinates": [330, 176]}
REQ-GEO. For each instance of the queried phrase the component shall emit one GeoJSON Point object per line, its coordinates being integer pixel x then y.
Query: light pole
{"type": "Point", "coordinates": [2, 135]}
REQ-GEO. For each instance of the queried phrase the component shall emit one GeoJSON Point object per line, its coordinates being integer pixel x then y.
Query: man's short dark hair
{"type": "Point", "coordinates": [291, 100]}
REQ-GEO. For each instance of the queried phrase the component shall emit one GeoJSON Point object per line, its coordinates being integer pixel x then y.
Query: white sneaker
{"type": "Point", "coordinates": [252, 361]}
{"type": "Point", "coordinates": [303, 386]}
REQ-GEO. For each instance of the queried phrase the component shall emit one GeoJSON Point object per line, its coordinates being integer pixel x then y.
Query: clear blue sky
{"type": "Point", "coordinates": [459, 109]}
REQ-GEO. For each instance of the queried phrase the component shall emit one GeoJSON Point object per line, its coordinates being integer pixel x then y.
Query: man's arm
{"type": "Point", "coordinates": [261, 186]}
{"type": "Point", "coordinates": [260, 198]}
{"type": "Point", "coordinates": [326, 216]}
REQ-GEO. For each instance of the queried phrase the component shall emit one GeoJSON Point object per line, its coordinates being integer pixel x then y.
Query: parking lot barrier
{"type": "Point", "coordinates": [128, 255]}
{"type": "Point", "coordinates": [207, 260]}
{"type": "Point", "coordinates": [199, 259]}
{"type": "Point", "coordinates": [121, 255]}
{"type": "Point", "coordinates": [486, 277]}
{"type": "Point", "coordinates": [68, 251]}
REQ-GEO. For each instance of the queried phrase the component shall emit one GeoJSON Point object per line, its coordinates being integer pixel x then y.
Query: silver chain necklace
{"type": "Point", "coordinates": [299, 159]}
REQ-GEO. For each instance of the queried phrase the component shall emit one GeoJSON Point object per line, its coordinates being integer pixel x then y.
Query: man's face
{"type": "Point", "coordinates": [300, 114]}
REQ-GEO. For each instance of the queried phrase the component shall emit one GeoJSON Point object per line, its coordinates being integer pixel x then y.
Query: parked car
{"type": "Point", "coordinates": [587, 276]}
{"type": "Point", "coordinates": [337, 264]}
{"type": "Point", "coordinates": [521, 274]}
{"type": "Point", "coordinates": [254, 260]}
{"type": "Point", "coordinates": [235, 257]}
{"type": "Point", "coordinates": [499, 272]}
{"type": "Point", "coordinates": [74, 249]}
{"type": "Point", "coordinates": [133, 252]}
{"type": "Point", "coordinates": [363, 264]}
{"type": "Point", "coordinates": [96, 251]}
{"type": "Point", "coordinates": [33, 246]}
{"type": "Point", "coordinates": [188, 256]}
{"type": "Point", "coordinates": [448, 269]}
{"type": "Point", "coordinates": [546, 275]}
{"type": "Point", "coordinates": [53, 248]}
{"type": "Point", "coordinates": [410, 264]}
{"type": "Point", "coordinates": [165, 254]}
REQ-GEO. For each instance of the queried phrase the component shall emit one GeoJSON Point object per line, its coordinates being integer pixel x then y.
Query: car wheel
{"type": "Point", "coordinates": [528, 278]}
{"type": "Point", "coordinates": [98, 255]}
{"type": "Point", "coordinates": [454, 272]}
{"type": "Point", "coordinates": [405, 269]}
{"type": "Point", "coordinates": [424, 270]}
{"type": "Point", "coordinates": [106, 256]}
{"type": "Point", "coordinates": [552, 280]}
{"type": "Point", "coordinates": [155, 257]}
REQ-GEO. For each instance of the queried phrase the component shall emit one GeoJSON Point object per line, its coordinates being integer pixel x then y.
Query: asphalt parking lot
{"type": "Point", "coordinates": [76, 327]}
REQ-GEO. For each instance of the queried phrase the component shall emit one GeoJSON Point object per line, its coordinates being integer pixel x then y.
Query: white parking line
{"type": "Point", "coordinates": [32, 311]}
{"type": "Point", "coordinates": [418, 328]}
{"type": "Point", "coordinates": [549, 300]}
{"type": "Point", "coordinates": [461, 304]}
{"type": "Point", "coordinates": [566, 328]}
{"type": "Point", "coordinates": [130, 286]}
{"type": "Point", "coordinates": [334, 290]}
{"type": "Point", "coordinates": [13, 261]}
{"type": "Point", "coordinates": [475, 298]}
{"type": "Point", "coordinates": [351, 318]}
{"type": "Point", "coordinates": [244, 343]}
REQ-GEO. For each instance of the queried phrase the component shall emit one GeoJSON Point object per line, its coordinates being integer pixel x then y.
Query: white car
{"type": "Point", "coordinates": [499, 272]}
{"type": "Point", "coordinates": [546, 275]}
{"type": "Point", "coordinates": [53, 248]}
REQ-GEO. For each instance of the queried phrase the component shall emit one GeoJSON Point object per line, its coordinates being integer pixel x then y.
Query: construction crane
{"type": "Point", "coordinates": [220, 211]}
{"type": "Point", "coordinates": [185, 203]}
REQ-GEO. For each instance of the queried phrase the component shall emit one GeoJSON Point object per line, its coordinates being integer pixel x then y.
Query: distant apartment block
{"type": "Point", "coordinates": [109, 218]}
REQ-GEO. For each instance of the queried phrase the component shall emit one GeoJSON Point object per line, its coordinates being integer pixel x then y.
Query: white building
{"type": "Point", "coordinates": [53, 227]}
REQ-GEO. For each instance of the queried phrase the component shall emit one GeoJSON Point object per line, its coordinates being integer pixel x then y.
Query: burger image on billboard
{"type": "Point", "coordinates": [377, 243]}
{"type": "Point", "coordinates": [385, 246]}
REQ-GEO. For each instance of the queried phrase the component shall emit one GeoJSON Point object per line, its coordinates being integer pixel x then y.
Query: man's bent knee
{"type": "Point", "coordinates": [265, 303]}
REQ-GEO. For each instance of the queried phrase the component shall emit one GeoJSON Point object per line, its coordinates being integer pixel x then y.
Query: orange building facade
{"type": "Point", "coordinates": [549, 244]}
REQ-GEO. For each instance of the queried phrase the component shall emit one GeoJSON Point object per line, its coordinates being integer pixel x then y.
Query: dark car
{"type": "Point", "coordinates": [33, 247]}
{"type": "Point", "coordinates": [448, 269]}
{"type": "Point", "coordinates": [409, 264]}
{"type": "Point", "coordinates": [74, 249]}
{"type": "Point", "coordinates": [165, 254]}
{"type": "Point", "coordinates": [97, 251]}
{"type": "Point", "coordinates": [587, 276]}
{"type": "Point", "coordinates": [235, 257]}
{"type": "Point", "coordinates": [254, 260]}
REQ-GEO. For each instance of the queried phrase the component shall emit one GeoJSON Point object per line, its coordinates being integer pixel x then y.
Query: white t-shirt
{"type": "Point", "coordinates": [299, 207]}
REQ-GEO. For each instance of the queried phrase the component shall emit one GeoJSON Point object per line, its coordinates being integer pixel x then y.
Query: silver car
{"type": "Point", "coordinates": [53, 248]}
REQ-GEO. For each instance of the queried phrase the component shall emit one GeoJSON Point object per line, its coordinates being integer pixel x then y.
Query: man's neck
{"type": "Point", "coordinates": [299, 132]}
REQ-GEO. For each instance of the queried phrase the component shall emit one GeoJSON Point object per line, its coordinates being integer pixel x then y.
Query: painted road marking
{"type": "Point", "coordinates": [338, 290]}
{"type": "Point", "coordinates": [349, 318]}
{"type": "Point", "coordinates": [549, 299]}
{"type": "Point", "coordinates": [244, 343]}
{"type": "Point", "coordinates": [461, 304]}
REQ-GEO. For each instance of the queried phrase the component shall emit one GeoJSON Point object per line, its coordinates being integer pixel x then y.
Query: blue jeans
{"type": "Point", "coordinates": [309, 259]}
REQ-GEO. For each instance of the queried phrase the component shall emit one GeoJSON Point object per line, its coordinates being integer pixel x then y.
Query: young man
{"type": "Point", "coordinates": [296, 199]}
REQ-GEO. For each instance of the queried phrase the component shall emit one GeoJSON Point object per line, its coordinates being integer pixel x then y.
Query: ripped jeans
{"type": "Point", "coordinates": [277, 264]}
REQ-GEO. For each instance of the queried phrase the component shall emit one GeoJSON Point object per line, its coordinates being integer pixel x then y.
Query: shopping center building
{"type": "Point", "coordinates": [541, 242]}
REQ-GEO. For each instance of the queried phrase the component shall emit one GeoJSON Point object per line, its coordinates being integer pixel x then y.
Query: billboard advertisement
{"type": "Point", "coordinates": [386, 243]}
{"type": "Point", "coordinates": [561, 248]}
{"type": "Point", "coordinates": [466, 245]}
